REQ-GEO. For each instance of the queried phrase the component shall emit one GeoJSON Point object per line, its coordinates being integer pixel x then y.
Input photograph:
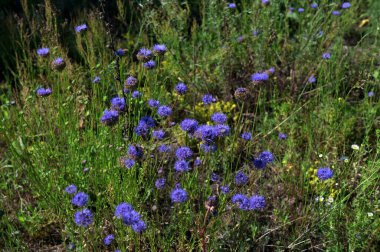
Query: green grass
{"type": "Point", "coordinates": [46, 143]}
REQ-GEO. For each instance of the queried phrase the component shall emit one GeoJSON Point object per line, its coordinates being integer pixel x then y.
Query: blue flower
{"type": "Point", "coordinates": [335, 13]}
{"type": "Point", "coordinates": [265, 2]}
{"type": "Point", "coordinates": [160, 49]}
{"type": "Point", "coordinates": [282, 136]}
{"type": "Point", "coordinates": [257, 202]}
{"type": "Point", "coordinates": [96, 80]}
{"type": "Point", "coordinates": [241, 200]}
{"type": "Point", "coordinates": [371, 94]}
{"type": "Point", "coordinates": [122, 209]}
{"type": "Point", "coordinates": [153, 103]}
{"type": "Point", "coordinates": [120, 52]}
{"type": "Point", "coordinates": [178, 195]}
{"type": "Point", "coordinates": [144, 54]}
{"type": "Point", "coordinates": [219, 118]}
{"type": "Point", "coordinates": [181, 166]}
{"type": "Point", "coordinates": [164, 148]}
{"type": "Point", "coordinates": [158, 134]}
{"type": "Point", "coordinates": [129, 163]}
{"type": "Point", "coordinates": [130, 81]}
{"type": "Point", "coordinates": [139, 226]}
{"type": "Point", "coordinates": [260, 77]}
{"type": "Point", "coordinates": [326, 55]}
{"type": "Point", "coordinates": [247, 136]}
{"type": "Point", "coordinates": [58, 64]}
{"type": "Point", "coordinates": [164, 111]}
{"type": "Point", "coordinates": [314, 6]}
{"type": "Point", "coordinates": [215, 177]}
{"type": "Point", "coordinates": [71, 189]}
{"type": "Point", "coordinates": [259, 163]}
{"type": "Point", "coordinates": [232, 5]}
{"type": "Point", "coordinates": [148, 121]}
{"type": "Point", "coordinates": [241, 178]}
{"type": "Point", "coordinates": [197, 162]}
{"type": "Point", "coordinates": [135, 152]}
{"type": "Point", "coordinates": [109, 117]}
{"type": "Point", "coordinates": [266, 156]}
{"type": "Point", "coordinates": [312, 79]}
{"type": "Point", "coordinates": [131, 217]}
{"type": "Point", "coordinates": [43, 52]}
{"type": "Point", "coordinates": [160, 183]}
{"type": "Point", "coordinates": [183, 153]}
{"type": "Point", "coordinates": [108, 239]}
{"type": "Point", "coordinates": [346, 5]}
{"type": "Point", "coordinates": [205, 133]}
{"type": "Point", "coordinates": [222, 130]}
{"type": "Point", "coordinates": [118, 103]}
{"type": "Point", "coordinates": [208, 147]}
{"type": "Point", "coordinates": [136, 94]}
{"type": "Point", "coordinates": [82, 27]}
{"type": "Point", "coordinates": [181, 88]}
{"type": "Point", "coordinates": [300, 10]}
{"type": "Point", "coordinates": [189, 125]}
{"type": "Point", "coordinates": [150, 64]}
{"type": "Point", "coordinates": [42, 92]}
{"type": "Point", "coordinates": [208, 99]}
{"type": "Point", "coordinates": [80, 199]}
{"type": "Point", "coordinates": [83, 218]}
{"type": "Point", "coordinates": [324, 173]}
{"type": "Point", "coordinates": [225, 189]}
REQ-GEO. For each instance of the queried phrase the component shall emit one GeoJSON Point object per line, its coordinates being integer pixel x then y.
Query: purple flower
{"type": "Point", "coordinates": [181, 88]}
{"type": "Point", "coordinates": [324, 173]}
{"type": "Point", "coordinates": [371, 94]}
{"type": "Point", "coordinates": [215, 177]}
{"type": "Point", "coordinates": [83, 218]}
{"type": "Point", "coordinates": [335, 13]}
{"type": "Point", "coordinates": [158, 134]}
{"type": "Point", "coordinates": [108, 239]}
{"type": "Point", "coordinates": [139, 226]}
{"type": "Point", "coordinates": [160, 183]}
{"type": "Point", "coordinates": [189, 125]}
{"type": "Point", "coordinates": [346, 5]}
{"type": "Point", "coordinates": [265, 2]}
{"type": "Point", "coordinates": [312, 79]}
{"type": "Point", "coordinates": [219, 118]}
{"type": "Point", "coordinates": [257, 202]}
{"type": "Point", "coordinates": [326, 55]}
{"type": "Point", "coordinates": [181, 166]}
{"type": "Point", "coordinates": [225, 189]}
{"type": "Point", "coordinates": [122, 209]}
{"type": "Point", "coordinates": [43, 52]}
{"type": "Point", "coordinates": [160, 49]}
{"type": "Point", "coordinates": [130, 217]}
{"type": "Point", "coordinates": [183, 153]}
{"type": "Point", "coordinates": [222, 130]}
{"type": "Point", "coordinates": [259, 163]}
{"type": "Point", "coordinates": [42, 92]}
{"type": "Point", "coordinates": [144, 54]}
{"type": "Point", "coordinates": [260, 76]}
{"type": "Point", "coordinates": [150, 64]}
{"type": "Point", "coordinates": [118, 103]}
{"type": "Point", "coordinates": [197, 162]}
{"type": "Point", "coordinates": [164, 148]}
{"type": "Point", "coordinates": [136, 94]}
{"type": "Point", "coordinates": [272, 70]}
{"type": "Point", "coordinates": [282, 136]}
{"type": "Point", "coordinates": [96, 80]}
{"type": "Point", "coordinates": [178, 195]}
{"type": "Point", "coordinates": [241, 200]}
{"type": "Point", "coordinates": [164, 111]}
{"type": "Point", "coordinates": [300, 10]}
{"type": "Point", "coordinates": [71, 189]}
{"type": "Point", "coordinates": [314, 6]}
{"type": "Point", "coordinates": [267, 157]}
{"type": "Point", "coordinates": [120, 52]}
{"type": "Point", "coordinates": [231, 5]}
{"type": "Point", "coordinates": [80, 199]}
{"type": "Point", "coordinates": [109, 117]}
{"type": "Point", "coordinates": [130, 81]}
{"type": "Point", "coordinates": [135, 151]}
{"type": "Point", "coordinates": [208, 99]}
{"type": "Point", "coordinates": [208, 147]}
{"type": "Point", "coordinates": [153, 103]}
{"type": "Point", "coordinates": [241, 178]}
{"type": "Point", "coordinates": [205, 133]}
{"type": "Point", "coordinates": [247, 136]}
{"type": "Point", "coordinates": [82, 27]}
{"type": "Point", "coordinates": [129, 163]}
{"type": "Point", "coordinates": [58, 64]}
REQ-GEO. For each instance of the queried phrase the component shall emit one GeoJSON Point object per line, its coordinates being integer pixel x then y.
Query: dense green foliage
{"type": "Point", "coordinates": [48, 143]}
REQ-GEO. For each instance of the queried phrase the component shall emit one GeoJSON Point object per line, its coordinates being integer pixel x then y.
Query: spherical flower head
{"type": "Point", "coordinates": [178, 195]}
{"type": "Point", "coordinates": [136, 94]}
{"type": "Point", "coordinates": [135, 152]}
{"type": "Point", "coordinates": [346, 5]}
{"type": "Point", "coordinates": [222, 130]}
{"type": "Point", "coordinates": [158, 134]}
{"type": "Point", "coordinates": [265, 2]}
{"type": "Point", "coordinates": [259, 77]}
{"type": "Point", "coordinates": [335, 13]}
{"type": "Point", "coordinates": [109, 117]}
{"type": "Point", "coordinates": [205, 133]}
{"type": "Point", "coordinates": [231, 5]}
{"type": "Point", "coordinates": [164, 148]}
{"type": "Point", "coordinates": [189, 125]}
{"type": "Point", "coordinates": [197, 162]}
{"type": "Point", "coordinates": [83, 218]}
{"type": "Point", "coordinates": [208, 147]}
{"type": "Point", "coordinates": [181, 166]}
{"type": "Point", "coordinates": [144, 54]}
{"type": "Point", "coordinates": [148, 121]}
{"type": "Point", "coordinates": [371, 94]}
{"type": "Point", "coordinates": [118, 103]}
{"type": "Point", "coordinates": [130, 81]}
{"type": "Point", "coordinates": [159, 49]}
{"type": "Point", "coordinates": [129, 163]}
{"type": "Point", "coordinates": [324, 173]}
{"type": "Point", "coordinates": [96, 80]}
{"type": "Point", "coordinates": [164, 111]}
{"type": "Point", "coordinates": [282, 136]}
{"type": "Point", "coordinates": [259, 163]}
{"type": "Point", "coordinates": [225, 189]}
{"type": "Point", "coordinates": [43, 52]}
{"type": "Point", "coordinates": [58, 64]}
{"type": "Point", "coordinates": [108, 239]}
{"type": "Point", "coordinates": [142, 129]}
{"type": "Point", "coordinates": [247, 136]}
{"type": "Point", "coordinates": [120, 52]}
{"type": "Point", "coordinates": [122, 209]}
{"type": "Point", "coordinates": [241, 93]}
{"type": "Point", "coordinates": [71, 189]}
{"type": "Point", "coordinates": [241, 200]}
{"type": "Point", "coordinates": [131, 217]}
{"type": "Point", "coordinates": [271, 71]}
{"type": "Point", "coordinates": [208, 99]}
{"type": "Point", "coordinates": [42, 92]}
{"type": "Point", "coordinates": [183, 153]}
{"type": "Point", "coordinates": [153, 103]}
{"type": "Point", "coordinates": [326, 55]}
{"type": "Point", "coordinates": [219, 118]}
{"type": "Point", "coordinates": [150, 64]}
{"type": "Point", "coordinates": [300, 10]}
{"type": "Point", "coordinates": [241, 178]}
{"type": "Point", "coordinates": [80, 199]}
{"type": "Point", "coordinates": [314, 6]}
{"type": "Point", "coordinates": [266, 156]}
{"type": "Point", "coordinates": [257, 202]}
{"type": "Point", "coordinates": [181, 88]}
{"type": "Point", "coordinates": [160, 183]}
{"type": "Point", "coordinates": [312, 79]}
{"type": "Point", "coordinates": [215, 177]}
{"type": "Point", "coordinates": [80, 28]}
{"type": "Point", "coordinates": [139, 226]}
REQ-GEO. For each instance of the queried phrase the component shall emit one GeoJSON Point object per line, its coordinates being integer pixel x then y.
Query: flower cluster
{"type": "Point", "coordinates": [130, 217]}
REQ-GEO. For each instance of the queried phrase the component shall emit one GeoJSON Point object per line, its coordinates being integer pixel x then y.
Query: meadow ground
{"type": "Point", "coordinates": [190, 126]}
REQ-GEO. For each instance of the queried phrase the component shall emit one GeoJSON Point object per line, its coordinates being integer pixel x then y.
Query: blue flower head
{"type": "Point", "coordinates": [130, 81]}
{"type": "Point", "coordinates": [82, 27]}
{"type": "Point", "coordinates": [164, 111]}
{"type": "Point", "coordinates": [43, 52]}
{"type": "Point", "coordinates": [150, 64]}
{"type": "Point", "coordinates": [314, 6]}
{"type": "Point", "coordinates": [326, 55]}
{"type": "Point", "coordinates": [122, 209]}
{"type": "Point", "coordinates": [139, 226]}
{"type": "Point", "coordinates": [109, 117]}
{"type": "Point", "coordinates": [208, 99]}
{"type": "Point", "coordinates": [181, 88]}
{"type": "Point", "coordinates": [371, 94]}
{"type": "Point", "coordinates": [42, 92]}
{"type": "Point", "coordinates": [247, 136]}
{"type": "Point", "coordinates": [159, 49]}
{"type": "Point", "coordinates": [259, 163]}
{"type": "Point", "coordinates": [335, 13]}
{"type": "Point", "coordinates": [257, 202]}
{"type": "Point", "coordinates": [222, 130]}
{"type": "Point", "coordinates": [120, 52]}
{"type": "Point", "coordinates": [232, 5]}
{"type": "Point", "coordinates": [118, 103]}
{"type": "Point", "coordinates": [83, 218]}
{"type": "Point", "coordinates": [197, 162]}
{"type": "Point", "coordinates": [80, 199]}
{"type": "Point", "coordinates": [181, 166]}
{"type": "Point", "coordinates": [266, 156]}
{"type": "Point", "coordinates": [259, 77]}
{"type": "Point", "coordinates": [225, 189]}
{"type": "Point", "coordinates": [135, 151]}
{"type": "Point", "coordinates": [282, 136]}
{"type": "Point", "coordinates": [108, 239]}
{"type": "Point", "coordinates": [158, 134]}
{"type": "Point", "coordinates": [71, 189]}
{"type": "Point", "coordinates": [96, 80]}
{"type": "Point", "coordinates": [241, 200]}
{"type": "Point", "coordinates": [160, 183]}
{"type": "Point", "coordinates": [153, 103]}
{"type": "Point", "coordinates": [58, 64]}
{"type": "Point", "coordinates": [144, 54]}
{"type": "Point", "coordinates": [324, 173]}
{"type": "Point", "coordinates": [265, 2]}
{"type": "Point", "coordinates": [219, 118]}
{"type": "Point", "coordinates": [178, 195]}
{"type": "Point", "coordinates": [136, 94]}
{"type": "Point", "coordinates": [129, 163]}
{"type": "Point", "coordinates": [164, 148]}
{"type": "Point", "coordinates": [189, 125]}
{"type": "Point", "coordinates": [215, 177]}
{"type": "Point", "coordinates": [205, 133]}
{"type": "Point", "coordinates": [183, 153]}
{"type": "Point", "coordinates": [346, 5]}
{"type": "Point", "coordinates": [241, 178]}
{"type": "Point", "coordinates": [131, 217]}
{"type": "Point", "coordinates": [300, 10]}
{"type": "Point", "coordinates": [208, 147]}
{"type": "Point", "coordinates": [312, 79]}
